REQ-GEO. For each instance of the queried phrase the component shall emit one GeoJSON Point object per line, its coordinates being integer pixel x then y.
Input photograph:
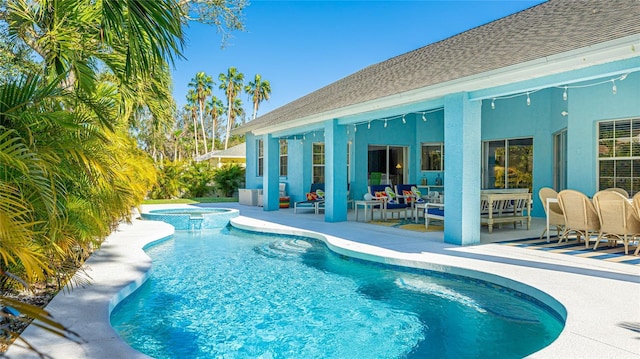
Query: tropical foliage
{"type": "Point", "coordinates": [228, 179]}
{"type": "Point", "coordinates": [85, 109]}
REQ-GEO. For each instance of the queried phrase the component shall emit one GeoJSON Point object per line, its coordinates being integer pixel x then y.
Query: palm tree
{"type": "Point", "coordinates": [202, 84]}
{"type": "Point", "coordinates": [231, 83]}
{"type": "Point", "coordinates": [215, 109]}
{"type": "Point", "coordinates": [258, 90]}
{"type": "Point", "coordinates": [192, 110]}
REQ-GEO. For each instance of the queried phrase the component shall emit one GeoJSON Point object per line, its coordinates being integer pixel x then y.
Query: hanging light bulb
{"type": "Point", "coordinates": [623, 77]}
{"type": "Point", "coordinates": [564, 94]}
{"type": "Point", "coordinates": [493, 104]}
{"type": "Point", "coordinates": [355, 128]}
{"type": "Point", "coordinates": [614, 88]}
{"type": "Point", "coordinates": [314, 134]}
{"type": "Point", "coordinates": [403, 120]}
{"type": "Point", "coordinates": [385, 123]}
{"type": "Point", "coordinates": [369, 126]}
{"type": "Point", "coordinates": [528, 100]}
{"type": "Point", "coordinates": [424, 118]}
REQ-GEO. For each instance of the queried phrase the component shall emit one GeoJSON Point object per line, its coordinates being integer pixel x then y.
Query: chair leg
{"type": "Point", "coordinates": [597, 241]}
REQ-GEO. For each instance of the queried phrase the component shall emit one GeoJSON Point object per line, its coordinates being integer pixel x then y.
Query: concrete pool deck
{"type": "Point", "coordinates": [601, 299]}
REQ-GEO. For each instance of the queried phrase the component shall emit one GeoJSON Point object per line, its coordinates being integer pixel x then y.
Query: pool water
{"type": "Point", "coordinates": [232, 294]}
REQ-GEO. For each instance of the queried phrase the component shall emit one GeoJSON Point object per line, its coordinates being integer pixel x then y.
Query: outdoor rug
{"type": "Point", "coordinates": [409, 225]}
{"type": "Point", "coordinates": [603, 252]}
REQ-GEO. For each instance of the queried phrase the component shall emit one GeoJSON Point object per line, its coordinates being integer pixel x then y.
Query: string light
{"type": "Point", "coordinates": [355, 128]}
{"type": "Point", "coordinates": [385, 123]}
{"type": "Point", "coordinates": [424, 118]}
{"type": "Point", "coordinates": [369, 126]}
{"type": "Point", "coordinates": [565, 93]}
{"type": "Point", "coordinates": [403, 120]}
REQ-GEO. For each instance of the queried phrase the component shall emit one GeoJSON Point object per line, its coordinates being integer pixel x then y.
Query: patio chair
{"type": "Point", "coordinates": [622, 191]}
{"type": "Point", "coordinates": [314, 198]}
{"type": "Point", "coordinates": [433, 211]}
{"type": "Point", "coordinates": [618, 219]}
{"type": "Point", "coordinates": [408, 194]}
{"type": "Point", "coordinates": [553, 212]}
{"type": "Point", "coordinates": [580, 215]}
{"type": "Point", "coordinates": [384, 193]}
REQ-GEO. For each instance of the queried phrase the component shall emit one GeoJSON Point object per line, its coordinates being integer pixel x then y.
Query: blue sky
{"type": "Point", "coordinates": [301, 46]}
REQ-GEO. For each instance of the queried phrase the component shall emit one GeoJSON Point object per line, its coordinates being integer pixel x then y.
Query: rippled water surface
{"type": "Point", "coordinates": [231, 294]}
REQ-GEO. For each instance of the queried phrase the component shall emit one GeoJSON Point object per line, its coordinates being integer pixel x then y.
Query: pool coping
{"type": "Point", "coordinates": [594, 316]}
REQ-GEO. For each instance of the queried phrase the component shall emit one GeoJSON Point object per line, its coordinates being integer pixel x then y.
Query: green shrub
{"type": "Point", "coordinates": [198, 177]}
{"type": "Point", "coordinates": [228, 179]}
{"type": "Point", "coordinates": [169, 183]}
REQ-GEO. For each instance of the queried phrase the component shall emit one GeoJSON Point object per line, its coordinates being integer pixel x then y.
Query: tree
{"type": "Point", "coordinates": [202, 86]}
{"type": "Point", "coordinates": [215, 109]}
{"type": "Point", "coordinates": [258, 90]}
{"type": "Point", "coordinates": [191, 108]}
{"type": "Point", "coordinates": [232, 84]}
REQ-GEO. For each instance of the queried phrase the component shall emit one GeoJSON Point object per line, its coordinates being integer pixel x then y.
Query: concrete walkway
{"type": "Point", "coordinates": [601, 300]}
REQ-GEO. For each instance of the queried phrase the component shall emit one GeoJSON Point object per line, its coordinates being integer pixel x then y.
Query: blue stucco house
{"type": "Point", "coordinates": [549, 96]}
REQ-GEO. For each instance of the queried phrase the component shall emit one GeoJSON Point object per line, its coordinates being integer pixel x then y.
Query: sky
{"type": "Point", "coordinates": [302, 46]}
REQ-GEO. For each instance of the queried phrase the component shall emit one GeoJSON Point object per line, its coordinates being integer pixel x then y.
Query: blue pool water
{"type": "Point", "coordinates": [232, 294]}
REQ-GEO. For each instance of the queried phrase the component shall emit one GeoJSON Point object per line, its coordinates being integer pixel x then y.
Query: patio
{"type": "Point", "coordinates": [594, 327]}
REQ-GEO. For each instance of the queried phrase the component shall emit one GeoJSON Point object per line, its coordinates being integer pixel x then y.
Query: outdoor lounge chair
{"type": "Point", "coordinates": [553, 212]}
{"type": "Point", "coordinates": [313, 199]}
{"type": "Point", "coordinates": [580, 215]}
{"type": "Point", "coordinates": [383, 192]}
{"type": "Point", "coordinates": [618, 219]}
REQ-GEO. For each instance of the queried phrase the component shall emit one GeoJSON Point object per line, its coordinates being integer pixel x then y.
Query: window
{"type": "Point", "coordinates": [560, 160]}
{"type": "Point", "coordinates": [433, 156]}
{"type": "Point", "coordinates": [317, 172]}
{"type": "Point", "coordinates": [260, 158]}
{"type": "Point", "coordinates": [619, 154]}
{"type": "Point", "coordinates": [284, 157]}
{"type": "Point", "coordinates": [508, 163]}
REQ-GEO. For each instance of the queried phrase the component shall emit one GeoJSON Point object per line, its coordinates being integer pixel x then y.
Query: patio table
{"type": "Point", "coordinates": [368, 205]}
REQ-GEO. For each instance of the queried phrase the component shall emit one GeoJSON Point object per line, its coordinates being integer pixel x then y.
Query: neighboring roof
{"type": "Point", "coordinates": [237, 151]}
{"type": "Point", "coordinates": [551, 28]}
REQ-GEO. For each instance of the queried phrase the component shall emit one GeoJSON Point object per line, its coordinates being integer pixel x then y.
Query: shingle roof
{"type": "Point", "coordinates": [547, 29]}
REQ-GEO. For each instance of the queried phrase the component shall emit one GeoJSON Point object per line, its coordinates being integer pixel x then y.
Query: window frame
{"type": "Point", "coordinates": [260, 158]}
{"type": "Point", "coordinates": [314, 165]}
{"type": "Point", "coordinates": [423, 167]}
{"type": "Point", "coordinates": [284, 158]}
{"type": "Point", "coordinates": [630, 183]}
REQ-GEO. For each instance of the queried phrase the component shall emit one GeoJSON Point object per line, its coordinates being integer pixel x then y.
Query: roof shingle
{"type": "Point", "coordinates": [550, 28]}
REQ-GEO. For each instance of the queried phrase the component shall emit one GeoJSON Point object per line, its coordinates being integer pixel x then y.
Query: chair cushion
{"type": "Point", "coordinates": [436, 211]}
{"type": "Point", "coordinates": [312, 196]}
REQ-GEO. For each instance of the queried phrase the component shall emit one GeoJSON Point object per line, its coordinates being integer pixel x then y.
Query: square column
{"type": "Point", "coordinates": [271, 175]}
{"type": "Point", "coordinates": [335, 172]}
{"type": "Point", "coordinates": [462, 180]}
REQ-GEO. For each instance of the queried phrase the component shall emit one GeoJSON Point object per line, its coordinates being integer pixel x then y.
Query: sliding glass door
{"type": "Point", "coordinates": [387, 164]}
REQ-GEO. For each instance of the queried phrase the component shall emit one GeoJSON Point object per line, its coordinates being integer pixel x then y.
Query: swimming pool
{"type": "Point", "coordinates": [193, 218]}
{"type": "Point", "coordinates": [229, 293]}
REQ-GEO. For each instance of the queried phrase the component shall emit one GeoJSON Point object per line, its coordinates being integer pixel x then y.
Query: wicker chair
{"type": "Point", "coordinates": [580, 215]}
{"type": "Point", "coordinates": [622, 191]}
{"type": "Point", "coordinates": [554, 212]}
{"type": "Point", "coordinates": [636, 206]}
{"type": "Point", "coordinates": [618, 219]}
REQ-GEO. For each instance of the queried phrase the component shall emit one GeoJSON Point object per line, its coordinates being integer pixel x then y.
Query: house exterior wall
{"type": "Point", "coordinates": [588, 103]}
